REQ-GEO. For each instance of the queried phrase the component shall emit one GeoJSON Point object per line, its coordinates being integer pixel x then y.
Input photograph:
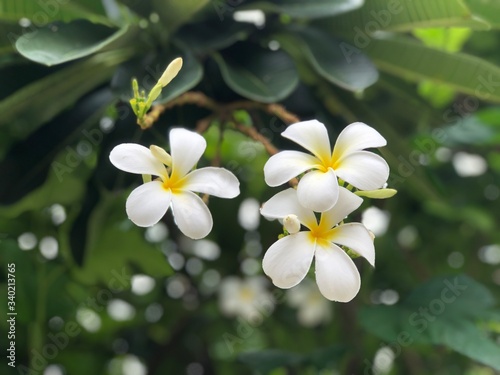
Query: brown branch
{"type": "Point", "coordinates": [220, 109]}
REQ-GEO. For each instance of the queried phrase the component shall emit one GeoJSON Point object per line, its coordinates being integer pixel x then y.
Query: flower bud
{"type": "Point", "coordinates": [161, 155]}
{"type": "Point", "coordinates": [172, 70]}
{"type": "Point", "coordinates": [291, 224]}
{"type": "Point", "coordinates": [376, 194]}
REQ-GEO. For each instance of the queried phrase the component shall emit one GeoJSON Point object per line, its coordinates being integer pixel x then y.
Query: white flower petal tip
{"type": "Point", "coordinates": [285, 165]}
{"type": "Point", "coordinates": [186, 149]}
{"type": "Point", "coordinates": [218, 182]}
{"type": "Point", "coordinates": [170, 72]}
{"type": "Point", "coordinates": [359, 136]}
{"type": "Point", "coordinates": [134, 158]}
{"type": "Point", "coordinates": [337, 277]}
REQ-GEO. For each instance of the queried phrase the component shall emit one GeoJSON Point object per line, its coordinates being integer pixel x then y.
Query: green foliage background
{"type": "Point", "coordinates": [424, 73]}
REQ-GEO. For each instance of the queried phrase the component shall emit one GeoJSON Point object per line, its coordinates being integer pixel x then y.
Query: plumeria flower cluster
{"type": "Point", "coordinates": [171, 180]}
{"type": "Point", "coordinates": [313, 214]}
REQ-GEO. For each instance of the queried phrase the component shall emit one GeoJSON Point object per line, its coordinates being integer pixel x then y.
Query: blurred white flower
{"type": "Point", "coordinates": [175, 185]}
{"type": "Point", "coordinates": [289, 259]}
{"type": "Point", "coordinates": [469, 165]}
{"type": "Point", "coordinates": [318, 189]}
{"type": "Point", "coordinates": [312, 308]}
{"type": "Point", "coordinates": [246, 298]}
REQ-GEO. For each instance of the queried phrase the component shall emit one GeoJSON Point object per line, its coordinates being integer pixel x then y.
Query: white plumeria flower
{"type": "Point", "coordinates": [318, 189]}
{"type": "Point", "coordinates": [248, 298]}
{"type": "Point", "coordinates": [289, 259]}
{"type": "Point", "coordinates": [312, 308]}
{"type": "Point", "coordinates": [174, 186]}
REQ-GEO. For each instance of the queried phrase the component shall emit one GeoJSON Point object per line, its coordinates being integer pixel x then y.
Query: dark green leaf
{"type": "Point", "coordinates": [488, 10]}
{"type": "Point", "coordinates": [403, 16]}
{"type": "Point", "coordinates": [62, 42]}
{"type": "Point", "coordinates": [414, 61]}
{"type": "Point", "coordinates": [174, 13]}
{"type": "Point", "coordinates": [213, 36]}
{"type": "Point", "coordinates": [443, 312]}
{"type": "Point", "coordinates": [256, 73]}
{"type": "Point", "coordinates": [267, 360]}
{"type": "Point", "coordinates": [38, 102]}
{"type": "Point", "coordinates": [27, 163]}
{"type": "Point", "coordinates": [469, 297]}
{"type": "Point", "coordinates": [306, 8]}
{"type": "Point", "coordinates": [115, 244]}
{"type": "Point", "coordinates": [337, 61]}
{"type": "Point", "coordinates": [40, 13]}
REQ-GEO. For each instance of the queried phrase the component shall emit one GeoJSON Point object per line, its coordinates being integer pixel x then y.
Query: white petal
{"type": "Point", "coordinates": [285, 165]}
{"type": "Point", "coordinates": [286, 203]}
{"type": "Point", "coordinates": [356, 137]}
{"type": "Point", "coordinates": [191, 215]}
{"type": "Point", "coordinates": [186, 148]}
{"type": "Point", "coordinates": [356, 237]}
{"type": "Point", "coordinates": [337, 276]}
{"type": "Point", "coordinates": [134, 158]}
{"type": "Point", "coordinates": [364, 170]}
{"type": "Point", "coordinates": [147, 204]}
{"type": "Point", "coordinates": [346, 204]}
{"type": "Point", "coordinates": [289, 259]}
{"type": "Point", "coordinates": [214, 181]}
{"type": "Point", "coordinates": [313, 136]}
{"type": "Point", "coordinates": [318, 191]}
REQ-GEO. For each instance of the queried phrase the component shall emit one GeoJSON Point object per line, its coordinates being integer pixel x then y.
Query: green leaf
{"type": "Point", "coordinates": [469, 130]}
{"type": "Point", "coordinates": [40, 13]}
{"type": "Point", "coordinates": [488, 10]}
{"type": "Point", "coordinates": [174, 13]}
{"type": "Point", "coordinates": [401, 16]}
{"type": "Point", "coordinates": [466, 338]}
{"type": "Point", "coordinates": [115, 243]}
{"type": "Point", "coordinates": [62, 42]}
{"type": "Point", "coordinates": [335, 60]}
{"type": "Point", "coordinates": [212, 36]}
{"type": "Point", "coordinates": [41, 100]}
{"type": "Point", "coordinates": [472, 298]}
{"type": "Point", "coordinates": [306, 8]}
{"type": "Point", "coordinates": [256, 73]}
{"type": "Point", "coordinates": [442, 311]}
{"type": "Point", "coordinates": [268, 360]}
{"type": "Point", "coordinates": [450, 39]}
{"type": "Point", "coordinates": [415, 62]}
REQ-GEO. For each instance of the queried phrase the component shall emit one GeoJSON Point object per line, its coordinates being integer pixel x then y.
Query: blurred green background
{"type": "Point", "coordinates": [97, 295]}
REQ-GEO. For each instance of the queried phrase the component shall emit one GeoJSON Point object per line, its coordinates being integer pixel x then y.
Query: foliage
{"type": "Point", "coordinates": [423, 73]}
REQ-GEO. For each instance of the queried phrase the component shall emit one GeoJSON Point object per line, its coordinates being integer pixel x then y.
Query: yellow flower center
{"type": "Point", "coordinates": [329, 162]}
{"type": "Point", "coordinates": [173, 183]}
{"type": "Point", "coordinates": [321, 233]}
{"type": "Point", "coordinates": [246, 293]}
